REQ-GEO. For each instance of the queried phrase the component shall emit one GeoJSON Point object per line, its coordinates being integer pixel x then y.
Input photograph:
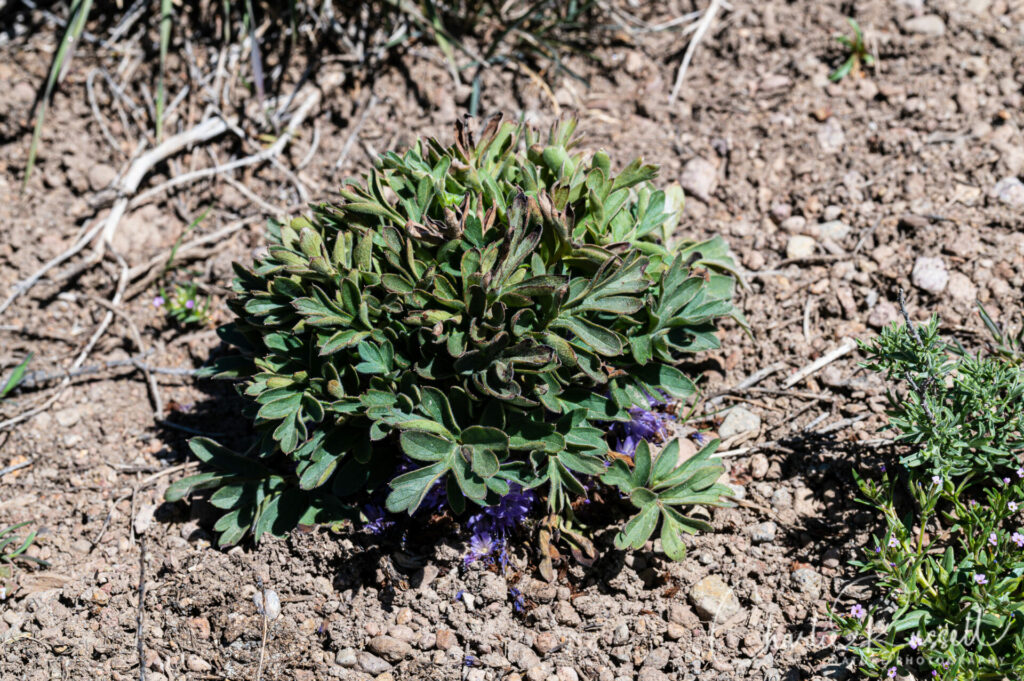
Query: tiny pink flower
{"type": "Point", "coordinates": [858, 611]}
{"type": "Point", "coordinates": [936, 480]}
{"type": "Point", "coordinates": [190, 304]}
{"type": "Point", "coordinates": [158, 301]}
{"type": "Point", "coordinates": [892, 672]}
{"type": "Point", "coordinates": [993, 539]}
{"type": "Point", "coordinates": [916, 642]}
{"type": "Point", "coordinates": [1020, 472]}
{"type": "Point", "coordinates": [1006, 481]}
{"type": "Point", "coordinates": [1018, 539]}
{"type": "Point", "coordinates": [980, 578]}
{"type": "Point", "coordinates": [893, 542]}
{"type": "Point", "coordinates": [1012, 506]}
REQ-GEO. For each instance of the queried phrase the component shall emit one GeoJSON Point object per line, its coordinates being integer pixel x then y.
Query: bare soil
{"type": "Point", "coordinates": [899, 163]}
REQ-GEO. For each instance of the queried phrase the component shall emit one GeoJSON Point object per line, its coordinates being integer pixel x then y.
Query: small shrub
{"type": "Point", "coordinates": [949, 566]}
{"type": "Point", "coordinates": [858, 55]}
{"type": "Point", "coordinates": [460, 328]}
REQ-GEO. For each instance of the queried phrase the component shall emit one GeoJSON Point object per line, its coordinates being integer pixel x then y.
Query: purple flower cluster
{"type": "Point", "coordinates": [377, 519]}
{"type": "Point", "coordinates": [492, 526]}
{"type": "Point", "coordinates": [644, 424]}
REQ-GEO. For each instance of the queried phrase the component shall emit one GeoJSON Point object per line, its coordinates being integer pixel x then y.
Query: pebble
{"type": "Point", "coordinates": [929, 274]}
{"type": "Point", "coordinates": [101, 176]}
{"type": "Point", "coordinates": [1009, 191]}
{"type": "Point", "coordinates": [800, 246]}
{"type": "Point", "coordinates": [758, 466]}
{"type": "Point", "coordinates": [836, 230]}
{"type": "Point", "coordinates": [446, 639]}
{"type": "Point", "coordinates": [657, 658]}
{"type": "Point", "coordinates": [197, 664]}
{"type": "Point", "coordinates": [370, 663]}
{"type": "Point", "coordinates": [782, 499]}
{"type": "Point", "coordinates": [714, 600]}
{"type": "Point", "coordinates": [522, 656]}
{"type": "Point", "coordinates": [545, 642]}
{"type": "Point", "coordinates": [476, 675]}
{"type": "Point", "coordinates": [926, 24]}
{"type": "Point", "coordinates": [620, 636]}
{"type": "Point", "coordinates": [567, 674]}
{"type": "Point", "coordinates": [699, 178]}
{"type": "Point", "coordinates": [651, 674]}
{"type": "Point", "coordinates": [763, 532]}
{"type": "Point", "coordinates": [739, 421]}
{"type": "Point", "coordinates": [882, 314]}
{"type": "Point", "coordinates": [962, 288]}
{"type": "Point", "coordinates": [346, 657]}
{"type": "Point", "coordinates": [68, 417]}
{"type": "Point", "coordinates": [831, 137]}
{"type": "Point", "coordinates": [807, 581]}
{"type": "Point", "coordinates": [794, 225]}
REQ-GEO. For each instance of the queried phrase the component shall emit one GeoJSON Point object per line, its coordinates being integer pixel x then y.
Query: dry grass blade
{"type": "Point", "coordinates": [161, 88]}
{"type": "Point", "coordinates": [698, 35]}
{"type": "Point", "coordinates": [72, 32]}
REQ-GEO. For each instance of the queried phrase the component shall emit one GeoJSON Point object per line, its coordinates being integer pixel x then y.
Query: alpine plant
{"type": "Point", "coordinates": [464, 325]}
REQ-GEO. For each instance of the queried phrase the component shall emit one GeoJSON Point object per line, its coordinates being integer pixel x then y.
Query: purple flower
{"type": "Point", "coordinates": [1018, 539]}
{"type": "Point", "coordinates": [892, 672]}
{"type": "Point", "coordinates": [936, 480]}
{"type": "Point", "coordinates": [1012, 506]}
{"type": "Point", "coordinates": [916, 642]}
{"type": "Point", "coordinates": [480, 546]}
{"type": "Point", "coordinates": [1020, 471]}
{"type": "Point", "coordinates": [158, 301]}
{"type": "Point", "coordinates": [517, 599]}
{"type": "Point", "coordinates": [882, 467]}
{"type": "Point", "coordinates": [980, 578]}
{"type": "Point", "coordinates": [189, 304]}
{"type": "Point", "coordinates": [491, 527]}
{"type": "Point", "coordinates": [376, 519]}
{"type": "Point", "coordinates": [993, 539]}
{"type": "Point", "coordinates": [643, 425]}
{"type": "Point", "coordinates": [893, 542]}
{"type": "Point", "coordinates": [1006, 481]}
{"type": "Point", "coordinates": [858, 611]}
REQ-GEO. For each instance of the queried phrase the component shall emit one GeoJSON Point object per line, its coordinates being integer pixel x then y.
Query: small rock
{"type": "Point", "coordinates": [402, 632]}
{"type": "Point", "coordinates": [929, 274]}
{"type": "Point", "coordinates": [926, 24]}
{"type": "Point", "coordinates": [780, 212]}
{"type": "Point", "coordinates": [200, 626]}
{"type": "Point", "coordinates": [739, 421]}
{"type": "Point", "coordinates": [346, 657]}
{"type": "Point", "coordinates": [782, 498]}
{"type": "Point", "coordinates": [620, 636]}
{"type": "Point", "coordinates": [567, 674]}
{"type": "Point", "coordinates": [699, 178]}
{"type": "Point", "coordinates": [651, 674]}
{"type": "Point", "coordinates": [800, 246]}
{"type": "Point", "coordinates": [657, 658]}
{"type": "Point", "coordinates": [962, 288]}
{"type": "Point", "coordinates": [1009, 191]}
{"type": "Point", "coordinates": [714, 600]}
{"type": "Point", "coordinates": [831, 137]}
{"type": "Point", "coordinates": [387, 676]}
{"type": "Point", "coordinates": [371, 664]}
{"type": "Point", "coordinates": [522, 656]}
{"type": "Point", "coordinates": [391, 649]}
{"type": "Point", "coordinates": [794, 225]}
{"type": "Point", "coordinates": [836, 230]}
{"type": "Point", "coordinates": [675, 631]}
{"type": "Point", "coordinates": [100, 176]}
{"type": "Point", "coordinates": [197, 664]}
{"type": "Point", "coordinates": [446, 639]}
{"type": "Point", "coordinates": [882, 314]}
{"type": "Point", "coordinates": [68, 417]}
{"type": "Point", "coordinates": [758, 466]}
{"type": "Point", "coordinates": [762, 532]}
{"type": "Point", "coordinates": [476, 675]}
{"type": "Point", "coordinates": [427, 576]}
{"type": "Point", "coordinates": [545, 642]}
{"type": "Point", "coordinates": [144, 518]}
{"type": "Point", "coordinates": [807, 581]}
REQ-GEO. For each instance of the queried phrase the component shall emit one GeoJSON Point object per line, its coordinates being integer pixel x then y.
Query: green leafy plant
{"type": "Point", "coordinates": [462, 324]}
{"type": "Point", "coordinates": [858, 54]}
{"type": "Point", "coordinates": [949, 567]}
{"type": "Point", "coordinates": [183, 304]}
{"type": "Point", "coordinates": [13, 548]}
{"type": "Point", "coordinates": [15, 377]}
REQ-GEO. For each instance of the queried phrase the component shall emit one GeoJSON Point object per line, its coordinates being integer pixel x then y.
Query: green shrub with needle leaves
{"type": "Point", "coordinates": [469, 318]}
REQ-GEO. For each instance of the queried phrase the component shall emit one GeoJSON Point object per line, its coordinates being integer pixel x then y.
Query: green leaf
{"type": "Point", "coordinates": [423, 446]}
{"type": "Point", "coordinates": [601, 340]}
{"type": "Point", "coordinates": [409, 489]}
{"type": "Point", "coordinates": [638, 529]}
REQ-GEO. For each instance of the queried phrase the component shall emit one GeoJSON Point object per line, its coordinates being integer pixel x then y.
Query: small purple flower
{"type": "Point", "coordinates": [993, 539]}
{"type": "Point", "coordinates": [480, 546]}
{"type": "Point", "coordinates": [1018, 539]}
{"type": "Point", "coordinates": [980, 578]}
{"type": "Point", "coordinates": [491, 527]}
{"type": "Point", "coordinates": [916, 642]}
{"type": "Point", "coordinates": [1006, 481]}
{"type": "Point", "coordinates": [517, 599]}
{"type": "Point", "coordinates": [937, 481]}
{"type": "Point", "coordinates": [892, 673]}
{"type": "Point", "coordinates": [878, 549]}
{"type": "Point", "coordinates": [158, 301]}
{"type": "Point", "coordinates": [1012, 506]}
{"type": "Point", "coordinates": [882, 467]}
{"type": "Point", "coordinates": [858, 611]}
{"type": "Point", "coordinates": [1020, 471]}
{"type": "Point", "coordinates": [376, 519]}
{"type": "Point", "coordinates": [189, 304]}
{"type": "Point", "coordinates": [893, 542]}
{"type": "Point", "coordinates": [972, 502]}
